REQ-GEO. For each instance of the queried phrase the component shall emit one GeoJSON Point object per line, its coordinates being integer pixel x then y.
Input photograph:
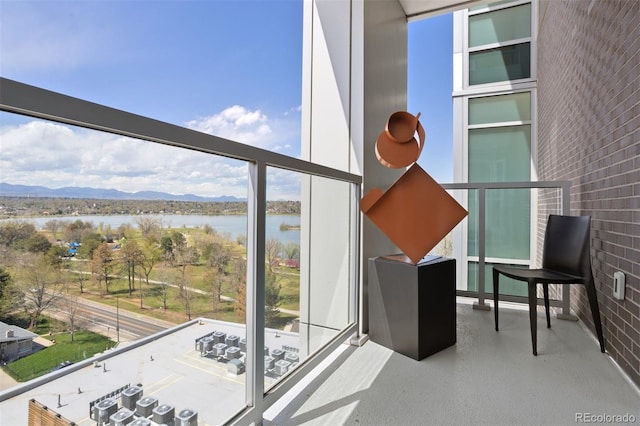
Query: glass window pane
{"type": "Point", "coordinates": [308, 277]}
{"type": "Point", "coordinates": [499, 26]}
{"type": "Point", "coordinates": [503, 108]}
{"type": "Point", "coordinates": [500, 64]}
{"type": "Point", "coordinates": [500, 154]}
{"type": "Point", "coordinates": [508, 286]}
{"type": "Point", "coordinates": [507, 223]}
{"type": "Point", "coordinates": [157, 232]}
{"type": "Point", "coordinates": [485, 6]}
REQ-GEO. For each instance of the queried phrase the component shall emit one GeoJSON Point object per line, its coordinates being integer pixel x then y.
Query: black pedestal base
{"type": "Point", "coordinates": [412, 308]}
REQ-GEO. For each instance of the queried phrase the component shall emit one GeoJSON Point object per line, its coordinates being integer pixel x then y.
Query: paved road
{"type": "Point", "coordinates": [113, 322]}
{"type": "Point", "coordinates": [105, 320]}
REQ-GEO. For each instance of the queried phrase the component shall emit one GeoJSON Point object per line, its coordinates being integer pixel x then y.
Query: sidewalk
{"type": "Point", "coordinates": [6, 381]}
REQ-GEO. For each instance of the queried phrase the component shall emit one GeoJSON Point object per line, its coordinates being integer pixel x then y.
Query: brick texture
{"type": "Point", "coordinates": [589, 134]}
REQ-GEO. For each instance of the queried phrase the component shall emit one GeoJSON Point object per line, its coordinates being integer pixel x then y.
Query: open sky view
{"type": "Point", "coordinates": [229, 68]}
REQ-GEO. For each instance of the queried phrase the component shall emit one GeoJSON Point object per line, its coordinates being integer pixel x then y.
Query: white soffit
{"type": "Point", "coordinates": [416, 9]}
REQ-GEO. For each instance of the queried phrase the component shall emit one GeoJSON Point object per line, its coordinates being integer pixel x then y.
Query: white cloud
{"type": "Point", "coordinates": [254, 128]}
{"type": "Point", "coordinates": [55, 155]}
{"type": "Point", "coordinates": [238, 124]}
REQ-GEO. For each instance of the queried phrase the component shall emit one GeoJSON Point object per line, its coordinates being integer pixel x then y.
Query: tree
{"type": "Point", "coordinates": [217, 256]}
{"type": "Point", "coordinates": [292, 250]}
{"type": "Point", "coordinates": [56, 256]}
{"type": "Point", "coordinates": [166, 246]}
{"type": "Point", "coordinates": [186, 296]}
{"type": "Point", "coordinates": [102, 265]}
{"type": "Point", "coordinates": [150, 227]}
{"type": "Point", "coordinates": [272, 299]}
{"type": "Point", "coordinates": [90, 242]}
{"type": "Point", "coordinates": [215, 283]}
{"type": "Point", "coordinates": [81, 278]}
{"type": "Point", "coordinates": [70, 310]}
{"type": "Point", "coordinates": [272, 250]}
{"type": "Point", "coordinates": [37, 243]}
{"type": "Point", "coordinates": [164, 287]}
{"type": "Point", "coordinates": [125, 230]}
{"type": "Point", "coordinates": [54, 226]}
{"type": "Point", "coordinates": [9, 296]}
{"type": "Point", "coordinates": [131, 256]}
{"type": "Point", "coordinates": [40, 285]}
{"type": "Point", "coordinates": [77, 231]}
{"type": "Point", "coordinates": [14, 234]}
{"type": "Point", "coordinates": [151, 255]}
{"type": "Point", "coordinates": [239, 284]}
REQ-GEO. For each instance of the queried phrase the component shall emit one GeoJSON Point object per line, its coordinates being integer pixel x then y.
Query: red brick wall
{"type": "Point", "coordinates": [589, 134]}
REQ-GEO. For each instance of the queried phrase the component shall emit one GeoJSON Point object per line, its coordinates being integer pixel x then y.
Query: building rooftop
{"type": "Point", "coordinates": [168, 366]}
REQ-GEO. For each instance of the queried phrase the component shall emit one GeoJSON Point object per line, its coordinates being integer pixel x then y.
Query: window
{"type": "Point", "coordinates": [499, 44]}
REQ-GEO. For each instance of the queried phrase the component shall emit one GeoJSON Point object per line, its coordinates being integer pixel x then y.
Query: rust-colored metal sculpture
{"type": "Point", "coordinates": [415, 212]}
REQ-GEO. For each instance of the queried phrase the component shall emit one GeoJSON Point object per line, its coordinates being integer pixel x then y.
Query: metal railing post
{"type": "Point", "coordinates": [482, 233]}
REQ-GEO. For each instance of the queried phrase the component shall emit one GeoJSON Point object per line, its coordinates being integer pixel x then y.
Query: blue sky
{"type": "Point", "coordinates": [230, 68]}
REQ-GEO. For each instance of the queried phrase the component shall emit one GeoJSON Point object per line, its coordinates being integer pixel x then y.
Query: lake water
{"type": "Point", "coordinates": [234, 225]}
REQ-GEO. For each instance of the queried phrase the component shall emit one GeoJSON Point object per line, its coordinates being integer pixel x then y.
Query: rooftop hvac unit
{"type": "Point", "coordinates": [219, 349]}
{"type": "Point", "coordinates": [219, 336]}
{"type": "Point", "coordinates": [277, 354]}
{"type": "Point", "coordinates": [187, 417]}
{"type": "Point", "coordinates": [232, 340]}
{"type": "Point", "coordinates": [291, 357]}
{"type": "Point", "coordinates": [282, 367]}
{"type": "Point", "coordinates": [145, 406]}
{"type": "Point", "coordinates": [232, 353]}
{"type": "Point", "coordinates": [140, 421]}
{"type": "Point", "coordinates": [121, 418]}
{"type": "Point", "coordinates": [102, 410]}
{"type": "Point", "coordinates": [269, 362]}
{"type": "Point", "coordinates": [242, 343]}
{"type": "Point", "coordinates": [205, 344]}
{"type": "Point", "coordinates": [164, 415]}
{"type": "Point", "coordinates": [235, 366]}
{"type": "Point", "coordinates": [130, 396]}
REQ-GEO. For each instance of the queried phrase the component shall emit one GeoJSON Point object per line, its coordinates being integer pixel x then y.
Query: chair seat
{"type": "Point", "coordinates": [539, 275]}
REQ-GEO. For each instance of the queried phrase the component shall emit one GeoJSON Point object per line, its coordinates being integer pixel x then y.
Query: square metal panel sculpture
{"type": "Point", "coordinates": [416, 213]}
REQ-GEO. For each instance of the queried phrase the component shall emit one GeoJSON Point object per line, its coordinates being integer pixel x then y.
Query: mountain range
{"type": "Point", "coordinates": [9, 190]}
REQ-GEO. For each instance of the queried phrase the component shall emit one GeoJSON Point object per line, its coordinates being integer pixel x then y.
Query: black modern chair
{"type": "Point", "coordinates": [565, 260]}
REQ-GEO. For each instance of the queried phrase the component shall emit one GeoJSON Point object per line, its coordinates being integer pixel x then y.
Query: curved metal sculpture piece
{"type": "Point", "coordinates": [415, 212]}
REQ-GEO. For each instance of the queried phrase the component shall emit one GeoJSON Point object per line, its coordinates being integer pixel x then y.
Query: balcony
{"type": "Point", "coordinates": [370, 384]}
{"type": "Point", "coordinates": [488, 377]}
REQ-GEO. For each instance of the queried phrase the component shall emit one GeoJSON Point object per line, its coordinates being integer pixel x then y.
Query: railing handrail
{"type": "Point", "coordinates": [482, 187]}
{"type": "Point", "coordinates": [36, 102]}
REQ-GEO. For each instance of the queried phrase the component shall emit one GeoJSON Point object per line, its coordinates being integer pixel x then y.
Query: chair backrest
{"type": "Point", "coordinates": [567, 244]}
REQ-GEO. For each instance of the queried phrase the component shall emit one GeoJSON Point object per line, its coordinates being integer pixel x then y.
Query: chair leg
{"type": "Point", "coordinates": [545, 289]}
{"type": "Point", "coordinates": [496, 289]}
{"type": "Point", "coordinates": [533, 320]}
{"type": "Point", "coordinates": [595, 311]}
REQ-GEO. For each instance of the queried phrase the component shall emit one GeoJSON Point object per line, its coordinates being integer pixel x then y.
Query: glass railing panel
{"type": "Point", "coordinates": [508, 286]}
{"type": "Point", "coordinates": [507, 221]}
{"type": "Point", "coordinates": [282, 275]}
{"type": "Point", "coordinates": [309, 286]}
{"type": "Point", "coordinates": [128, 239]}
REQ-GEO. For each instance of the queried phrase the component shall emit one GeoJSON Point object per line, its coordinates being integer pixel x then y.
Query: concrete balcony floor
{"type": "Point", "coordinates": [487, 378]}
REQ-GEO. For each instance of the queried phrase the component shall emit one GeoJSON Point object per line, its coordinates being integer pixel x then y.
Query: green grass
{"type": "Point", "coordinates": [86, 345]}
